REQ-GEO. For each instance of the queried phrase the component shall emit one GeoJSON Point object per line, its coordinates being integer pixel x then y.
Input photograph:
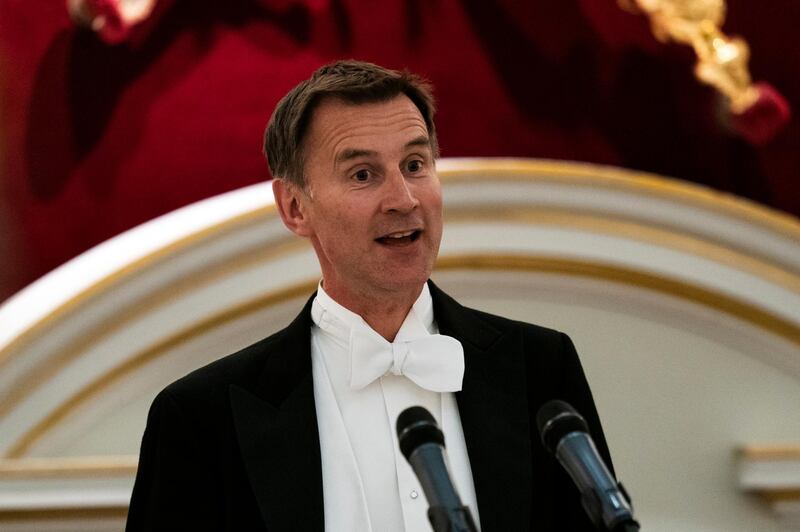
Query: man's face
{"type": "Point", "coordinates": [373, 204]}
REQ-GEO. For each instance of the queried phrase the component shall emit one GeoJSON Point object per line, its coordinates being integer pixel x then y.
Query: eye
{"type": "Point", "coordinates": [413, 166]}
{"type": "Point", "coordinates": [362, 176]}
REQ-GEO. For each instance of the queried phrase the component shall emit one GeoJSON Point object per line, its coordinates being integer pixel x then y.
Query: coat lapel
{"type": "Point", "coordinates": [276, 423]}
{"type": "Point", "coordinates": [494, 414]}
{"type": "Point", "coordinates": [276, 426]}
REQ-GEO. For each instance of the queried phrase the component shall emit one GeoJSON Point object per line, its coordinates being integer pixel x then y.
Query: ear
{"type": "Point", "coordinates": [291, 203]}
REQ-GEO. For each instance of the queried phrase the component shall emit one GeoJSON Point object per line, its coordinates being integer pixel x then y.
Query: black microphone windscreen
{"type": "Point", "coordinates": [555, 420]}
{"type": "Point", "coordinates": [416, 426]}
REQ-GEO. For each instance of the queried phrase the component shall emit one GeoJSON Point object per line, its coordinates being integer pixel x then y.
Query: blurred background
{"type": "Point", "coordinates": [103, 130]}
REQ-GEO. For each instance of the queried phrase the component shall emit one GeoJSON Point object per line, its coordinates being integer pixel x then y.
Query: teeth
{"type": "Point", "coordinates": [400, 235]}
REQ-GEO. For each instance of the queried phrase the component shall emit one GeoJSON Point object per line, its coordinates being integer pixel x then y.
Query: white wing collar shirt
{"type": "Point", "coordinates": [361, 384]}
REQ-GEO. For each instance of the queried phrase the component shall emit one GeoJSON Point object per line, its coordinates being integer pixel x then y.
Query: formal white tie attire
{"type": "Point", "coordinates": [361, 384]}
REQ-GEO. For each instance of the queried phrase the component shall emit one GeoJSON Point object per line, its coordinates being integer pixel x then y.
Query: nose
{"type": "Point", "coordinates": [399, 194]}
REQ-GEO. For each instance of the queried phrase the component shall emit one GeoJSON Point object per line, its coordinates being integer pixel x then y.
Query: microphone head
{"type": "Point", "coordinates": [555, 420]}
{"type": "Point", "coordinates": [416, 426]}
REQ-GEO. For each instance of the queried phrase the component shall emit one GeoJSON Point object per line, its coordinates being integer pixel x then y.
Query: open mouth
{"type": "Point", "coordinates": [400, 238]}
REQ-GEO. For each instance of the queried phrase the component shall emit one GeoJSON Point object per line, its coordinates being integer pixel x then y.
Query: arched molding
{"type": "Point", "coordinates": [83, 350]}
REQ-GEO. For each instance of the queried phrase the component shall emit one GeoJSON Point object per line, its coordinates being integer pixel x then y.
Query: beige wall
{"type": "Point", "coordinates": [683, 305]}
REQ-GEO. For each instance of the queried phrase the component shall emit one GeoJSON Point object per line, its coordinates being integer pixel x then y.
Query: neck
{"type": "Point", "coordinates": [385, 313]}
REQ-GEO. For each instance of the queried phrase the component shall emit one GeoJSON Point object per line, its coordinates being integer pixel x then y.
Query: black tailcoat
{"type": "Point", "coordinates": [234, 445]}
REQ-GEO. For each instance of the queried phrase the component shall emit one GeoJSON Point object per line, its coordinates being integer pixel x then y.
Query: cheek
{"type": "Point", "coordinates": [433, 202]}
{"type": "Point", "coordinates": [437, 215]}
{"type": "Point", "coordinates": [342, 227]}
{"type": "Point", "coordinates": [347, 222]}
{"type": "Point", "coordinates": [433, 192]}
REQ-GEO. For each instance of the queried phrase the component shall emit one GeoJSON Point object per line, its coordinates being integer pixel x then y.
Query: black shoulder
{"type": "Point", "coordinates": [240, 367]}
{"type": "Point", "coordinates": [546, 339]}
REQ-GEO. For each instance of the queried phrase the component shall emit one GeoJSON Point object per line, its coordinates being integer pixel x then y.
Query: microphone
{"type": "Point", "coordinates": [422, 443]}
{"type": "Point", "coordinates": [565, 434]}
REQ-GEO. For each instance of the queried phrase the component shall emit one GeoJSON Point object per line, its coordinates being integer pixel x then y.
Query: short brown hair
{"type": "Point", "coordinates": [354, 82]}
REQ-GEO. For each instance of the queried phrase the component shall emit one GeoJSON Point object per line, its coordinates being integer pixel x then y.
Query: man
{"type": "Point", "coordinates": [296, 431]}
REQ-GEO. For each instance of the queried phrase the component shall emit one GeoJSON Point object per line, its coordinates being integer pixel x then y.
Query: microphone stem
{"type": "Point", "coordinates": [451, 519]}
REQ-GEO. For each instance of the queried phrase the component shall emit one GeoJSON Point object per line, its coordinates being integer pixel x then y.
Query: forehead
{"type": "Point", "coordinates": [337, 125]}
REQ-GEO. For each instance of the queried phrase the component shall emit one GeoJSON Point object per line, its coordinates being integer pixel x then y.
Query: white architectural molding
{"type": "Point", "coordinates": [773, 474]}
{"type": "Point", "coordinates": [684, 304]}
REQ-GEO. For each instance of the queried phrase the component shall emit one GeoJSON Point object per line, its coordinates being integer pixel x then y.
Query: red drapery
{"type": "Point", "coordinates": [98, 138]}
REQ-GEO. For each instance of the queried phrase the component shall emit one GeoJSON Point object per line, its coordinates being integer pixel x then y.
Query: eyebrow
{"type": "Point", "coordinates": [422, 140]}
{"type": "Point", "coordinates": [352, 153]}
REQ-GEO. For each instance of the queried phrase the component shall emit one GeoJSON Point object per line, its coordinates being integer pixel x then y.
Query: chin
{"type": "Point", "coordinates": [400, 283]}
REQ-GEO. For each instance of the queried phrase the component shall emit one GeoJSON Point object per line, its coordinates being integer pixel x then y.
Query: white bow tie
{"type": "Point", "coordinates": [434, 362]}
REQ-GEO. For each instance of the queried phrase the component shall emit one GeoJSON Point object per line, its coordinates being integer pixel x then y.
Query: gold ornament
{"type": "Point", "coordinates": [721, 60]}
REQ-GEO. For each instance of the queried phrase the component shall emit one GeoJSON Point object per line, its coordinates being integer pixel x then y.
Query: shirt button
{"type": "Point", "coordinates": [414, 494]}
